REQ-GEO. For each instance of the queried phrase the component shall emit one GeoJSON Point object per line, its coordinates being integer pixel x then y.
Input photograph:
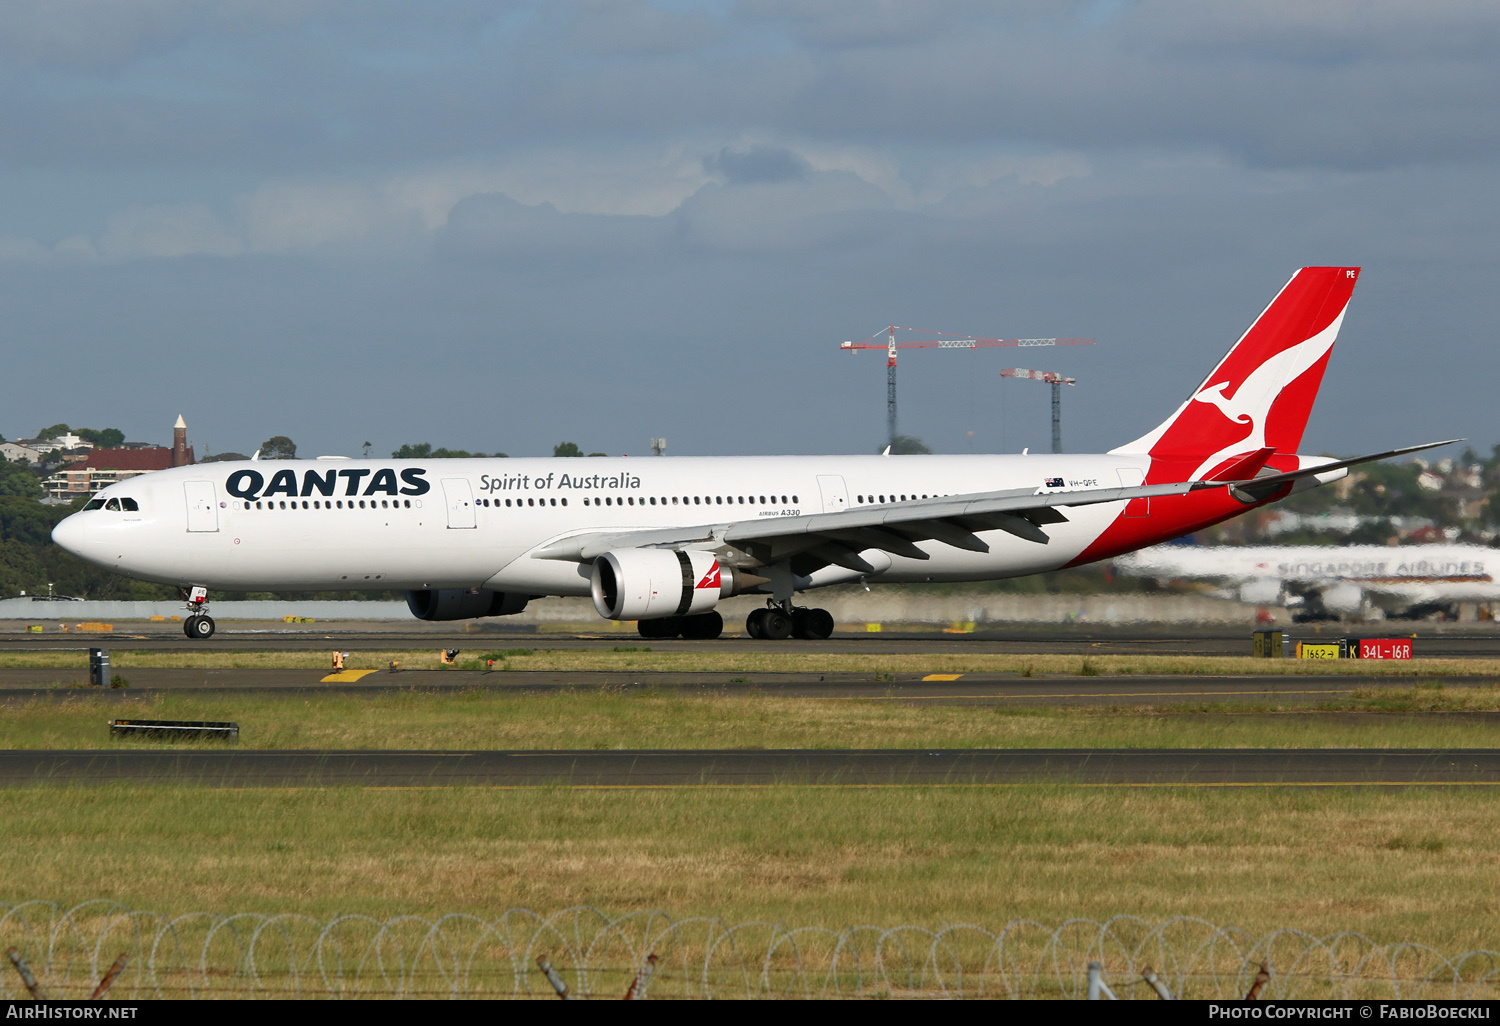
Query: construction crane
{"type": "Point", "coordinates": [1057, 381]}
{"type": "Point", "coordinates": [927, 339]}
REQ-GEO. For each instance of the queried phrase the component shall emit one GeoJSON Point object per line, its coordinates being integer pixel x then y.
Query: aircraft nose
{"type": "Point", "coordinates": [71, 535]}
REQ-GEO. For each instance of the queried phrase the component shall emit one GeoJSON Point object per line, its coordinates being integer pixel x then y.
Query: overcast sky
{"type": "Point", "coordinates": [499, 225]}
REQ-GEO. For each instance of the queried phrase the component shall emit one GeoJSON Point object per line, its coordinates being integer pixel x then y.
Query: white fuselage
{"type": "Point", "coordinates": [1412, 574]}
{"type": "Point", "coordinates": [472, 523]}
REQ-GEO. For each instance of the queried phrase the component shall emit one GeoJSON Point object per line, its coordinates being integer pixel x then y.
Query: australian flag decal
{"type": "Point", "coordinates": [1054, 482]}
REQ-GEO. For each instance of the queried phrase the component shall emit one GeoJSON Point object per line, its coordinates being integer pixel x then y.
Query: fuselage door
{"type": "Point", "coordinates": [835, 493]}
{"type": "Point", "coordinates": [1134, 477]}
{"type": "Point", "coordinates": [202, 506]}
{"type": "Point", "coordinates": [460, 498]}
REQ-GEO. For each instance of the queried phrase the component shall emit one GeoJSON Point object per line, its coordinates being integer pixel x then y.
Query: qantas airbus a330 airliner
{"type": "Point", "coordinates": [661, 541]}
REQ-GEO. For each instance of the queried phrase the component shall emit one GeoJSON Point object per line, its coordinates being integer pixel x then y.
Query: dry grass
{"type": "Point", "coordinates": [594, 718]}
{"type": "Point", "coordinates": [640, 658]}
{"type": "Point", "coordinates": [1415, 865]}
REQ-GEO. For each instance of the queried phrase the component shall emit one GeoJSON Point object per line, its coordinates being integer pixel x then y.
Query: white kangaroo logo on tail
{"type": "Point", "coordinates": [1252, 401]}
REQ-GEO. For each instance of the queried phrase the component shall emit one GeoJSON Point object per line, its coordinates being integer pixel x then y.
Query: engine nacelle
{"type": "Point", "coordinates": [647, 584]}
{"type": "Point", "coordinates": [1264, 591]}
{"type": "Point", "coordinates": [463, 603]}
{"type": "Point", "coordinates": [1345, 598]}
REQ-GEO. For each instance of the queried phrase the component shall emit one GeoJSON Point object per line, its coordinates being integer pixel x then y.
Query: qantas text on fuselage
{"type": "Point", "coordinates": [661, 541]}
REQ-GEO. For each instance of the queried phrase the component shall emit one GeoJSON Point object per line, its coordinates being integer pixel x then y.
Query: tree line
{"type": "Point", "coordinates": [280, 447]}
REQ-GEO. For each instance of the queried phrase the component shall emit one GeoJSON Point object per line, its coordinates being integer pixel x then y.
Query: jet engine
{"type": "Point", "coordinates": [463, 604]}
{"type": "Point", "coordinates": [1345, 598]}
{"type": "Point", "coordinates": [647, 584]}
{"type": "Point", "coordinates": [1264, 591]}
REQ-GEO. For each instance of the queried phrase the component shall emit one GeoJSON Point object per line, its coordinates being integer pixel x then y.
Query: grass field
{"type": "Point", "coordinates": [1415, 865]}
{"type": "Point", "coordinates": [594, 718]}
{"type": "Point", "coordinates": [639, 657]}
{"type": "Point", "coordinates": [1396, 864]}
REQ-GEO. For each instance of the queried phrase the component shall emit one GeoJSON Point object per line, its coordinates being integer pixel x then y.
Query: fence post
{"type": "Point", "coordinates": [545, 964]}
{"type": "Point", "coordinates": [25, 971]}
{"type": "Point", "coordinates": [1097, 987]}
{"type": "Point", "coordinates": [1149, 975]}
{"type": "Point", "coordinates": [1261, 979]}
{"type": "Point", "coordinates": [637, 991]}
{"type": "Point", "coordinates": [110, 977]}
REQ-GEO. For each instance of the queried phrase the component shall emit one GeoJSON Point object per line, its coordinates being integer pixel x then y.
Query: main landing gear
{"type": "Point", "coordinates": [772, 623]}
{"type": "Point", "coordinates": [701, 627]}
{"type": "Point", "coordinates": [778, 622]}
{"type": "Point", "coordinates": [199, 626]}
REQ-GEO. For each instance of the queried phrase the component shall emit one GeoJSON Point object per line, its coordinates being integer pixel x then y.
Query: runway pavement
{"type": "Point", "coordinates": [669, 768]}
{"type": "Point", "coordinates": [1455, 640]}
{"type": "Point", "coordinates": [985, 689]}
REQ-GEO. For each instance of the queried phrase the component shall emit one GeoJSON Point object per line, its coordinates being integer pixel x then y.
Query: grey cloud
{"type": "Point", "coordinates": [1164, 263]}
{"type": "Point", "coordinates": [94, 34]}
{"type": "Point", "coordinates": [495, 227]}
{"type": "Point", "coordinates": [757, 164]}
{"type": "Point", "coordinates": [616, 27]}
{"type": "Point", "coordinates": [853, 23]}
{"type": "Point", "coordinates": [1144, 173]}
{"type": "Point", "coordinates": [1330, 32]}
{"type": "Point", "coordinates": [817, 211]}
{"type": "Point", "coordinates": [1286, 85]}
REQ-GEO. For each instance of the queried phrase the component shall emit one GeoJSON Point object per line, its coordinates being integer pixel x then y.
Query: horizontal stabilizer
{"type": "Point", "coordinates": [1256, 489]}
{"type": "Point", "coordinates": [1246, 468]}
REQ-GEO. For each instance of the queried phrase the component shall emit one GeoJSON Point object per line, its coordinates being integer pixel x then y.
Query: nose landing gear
{"type": "Point", "coordinates": [198, 626]}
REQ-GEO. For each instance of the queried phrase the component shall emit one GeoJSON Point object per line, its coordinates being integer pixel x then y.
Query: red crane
{"type": "Point", "coordinates": [938, 340]}
{"type": "Point", "coordinates": [1054, 379]}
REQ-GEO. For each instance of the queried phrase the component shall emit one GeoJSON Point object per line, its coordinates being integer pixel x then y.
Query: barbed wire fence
{"type": "Point", "coordinates": [101, 947]}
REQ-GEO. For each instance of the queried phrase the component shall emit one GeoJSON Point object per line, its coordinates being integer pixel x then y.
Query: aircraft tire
{"type": "Point", "coordinates": [775, 625]}
{"type": "Point", "coordinates": [189, 624]}
{"type": "Point", "coordinates": [202, 629]}
{"type": "Point", "coordinates": [754, 623]}
{"type": "Point", "coordinates": [812, 624]}
{"type": "Point", "coordinates": [660, 629]}
{"type": "Point", "coordinates": [703, 626]}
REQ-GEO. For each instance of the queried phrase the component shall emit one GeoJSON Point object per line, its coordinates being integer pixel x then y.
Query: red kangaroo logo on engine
{"type": "Point", "coordinates": [710, 579]}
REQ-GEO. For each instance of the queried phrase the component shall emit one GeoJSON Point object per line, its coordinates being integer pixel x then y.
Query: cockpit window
{"type": "Point", "coordinates": [113, 504]}
{"type": "Point", "coordinates": [129, 505]}
{"type": "Point", "coordinates": [94, 504]}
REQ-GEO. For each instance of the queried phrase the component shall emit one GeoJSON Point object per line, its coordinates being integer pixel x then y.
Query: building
{"type": "Point", "coordinates": [105, 467]}
{"type": "Point", "coordinates": [46, 445]}
{"type": "Point", "coordinates": [13, 451]}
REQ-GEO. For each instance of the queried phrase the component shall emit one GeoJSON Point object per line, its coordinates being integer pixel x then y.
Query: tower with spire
{"type": "Point", "coordinates": [181, 454]}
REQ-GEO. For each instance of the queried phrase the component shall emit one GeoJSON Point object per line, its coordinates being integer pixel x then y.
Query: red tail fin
{"type": "Point", "coordinates": [1261, 394]}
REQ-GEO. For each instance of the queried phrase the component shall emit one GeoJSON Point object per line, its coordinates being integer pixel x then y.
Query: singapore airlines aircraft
{"type": "Point", "coordinates": [1322, 581]}
{"type": "Point", "coordinates": [661, 541]}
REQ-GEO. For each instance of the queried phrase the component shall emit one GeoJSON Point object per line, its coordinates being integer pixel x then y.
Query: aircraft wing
{"type": "Point", "coordinates": [839, 537]}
